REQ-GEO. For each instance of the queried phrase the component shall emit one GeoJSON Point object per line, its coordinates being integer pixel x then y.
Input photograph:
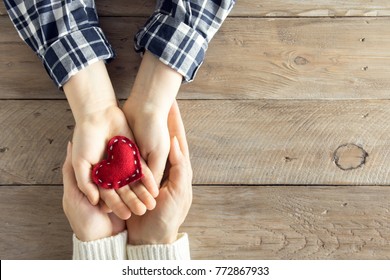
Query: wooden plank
{"type": "Point", "coordinates": [263, 222]}
{"type": "Point", "coordinates": [231, 142]}
{"type": "Point", "coordinates": [268, 8]}
{"type": "Point", "coordinates": [278, 222]}
{"type": "Point", "coordinates": [248, 59]}
{"type": "Point", "coordinates": [33, 223]}
{"type": "Point", "coordinates": [3, 10]}
{"type": "Point", "coordinates": [118, 8]}
{"type": "Point", "coordinates": [297, 8]}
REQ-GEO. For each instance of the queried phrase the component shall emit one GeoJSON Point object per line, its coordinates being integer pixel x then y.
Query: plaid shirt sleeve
{"type": "Point", "coordinates": [63, 33]}
{"type": "Point", "coordinates": [179, 32]}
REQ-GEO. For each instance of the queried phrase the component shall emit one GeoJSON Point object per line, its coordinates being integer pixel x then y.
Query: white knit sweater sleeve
{"type": "Point", "coordinates": [110, 248]}
{"type": "Point", "coordinates": [115, 247]}
{"type": "Point", "coordinates": [178, 250]}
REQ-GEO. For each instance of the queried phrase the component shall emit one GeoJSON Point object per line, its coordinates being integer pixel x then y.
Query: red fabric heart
{"type": "Point", "coordinates": [122, 166]}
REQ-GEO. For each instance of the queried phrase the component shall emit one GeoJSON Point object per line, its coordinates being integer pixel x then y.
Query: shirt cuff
{"type": "Point", "coordinates": [75, 51]}
{"type": "Point", "coordinates": [175, 44]}
{"type": "Point", "coordinates": [178, 250]}
{"type": "Point", "coordinates": [110, 248]}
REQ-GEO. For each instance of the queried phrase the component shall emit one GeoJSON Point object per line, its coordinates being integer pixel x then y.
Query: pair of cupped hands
{"type": "Point", "coordinates": [151, 118]}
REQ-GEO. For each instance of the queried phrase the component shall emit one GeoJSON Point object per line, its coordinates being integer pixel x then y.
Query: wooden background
{"type": "Point", "coordinates": [287, 123]}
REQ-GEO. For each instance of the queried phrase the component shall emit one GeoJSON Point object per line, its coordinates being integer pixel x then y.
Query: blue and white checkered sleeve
{"type": "Point", "coordinates": [179, 32]}
{"type": "Point", "coordinates": [63, 33]}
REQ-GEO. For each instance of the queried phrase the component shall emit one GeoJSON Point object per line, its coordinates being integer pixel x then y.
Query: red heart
{"type": "Point", "coordinates": [122, 166]}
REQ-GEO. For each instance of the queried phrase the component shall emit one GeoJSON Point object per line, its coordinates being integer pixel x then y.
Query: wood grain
{"type": "Point", "coordinates": [231, 142]}
{"type": "Point", "coordinates": [248, 59]}
{"type": "Point", "coordinates": [33, 223]}
{"type": "Point", "coordinates": [286, 121]}
{"type": "Point", "coordinates": [278, 222]}
{"type": "Point", "coordinates": [317, 8]}
{"type": "Point", "coordinates": [268, 222]}
{"type": "Point", "coordinates": [253, 8]}
{"type": "Point", "coordinates": [268, 8]}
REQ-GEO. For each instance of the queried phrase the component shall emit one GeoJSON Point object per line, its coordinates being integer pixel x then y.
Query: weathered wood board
{"type": "Point", "coordinates": [268, 8]}
{"type": "Point", "coordinates": [286, 121]}
{"type": "Point", "coordinates": [268, 222]}
{"type": "Point", "coordinates": [316, 58]}
{"type": "Point", "coordinates": [232, 142]}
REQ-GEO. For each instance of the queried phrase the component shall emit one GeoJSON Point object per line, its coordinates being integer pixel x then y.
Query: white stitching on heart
{"type": "Point", "coordinates": [112, 157]}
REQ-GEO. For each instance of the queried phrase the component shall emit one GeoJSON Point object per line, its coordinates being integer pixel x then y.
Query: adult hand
{"type": "Point", "coordinates": [89, 222]}
{"type": "Point", "coordinates": [161, 225]}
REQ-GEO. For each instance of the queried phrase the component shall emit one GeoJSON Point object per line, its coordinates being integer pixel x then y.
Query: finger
{"type": "Point", "coordinates": [142, 193]}
{"type": "Point", "coordinates": [131, 200]}
{"type": "Point", "coordinates": [68, 176]}
{"type": "Point", "coordinates": [176, 157]}
{"type": "Point", "coordinates": [148, 180]}
{"type": "Point", "coordinates": [104, 207]}
{"type": "Point", "coordinates": [115, 203]}
{"type": "Point", "coordinates": [156, 164]}
{"type": "Point", "coordinates": [83, 176]}
{"type": "Point", "coordinates": [176, 128]}
{"type": "Point", "coordinates": [183, 166]}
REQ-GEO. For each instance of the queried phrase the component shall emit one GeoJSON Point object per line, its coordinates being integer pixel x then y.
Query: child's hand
{"type": "Point", "coordinates": [147, 108]}
{"type": "Point", "coordinates": [89, 142]}
{"type": "Point", "coordinates": [151, 133]}
{"type": "Point", "coordinates": [98, 119]}
{"type": "Point", "coordinates": [161, 225]}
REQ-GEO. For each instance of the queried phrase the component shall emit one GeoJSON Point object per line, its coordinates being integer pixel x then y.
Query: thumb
{"type": "Point", "coordinates": [82, 170]}
{"type": "Point", "coordinates": [176, 157]}
{"type": "Point", "coordinates": [67, 169]}
{"type": "Point", "coordinates": [68, 176]}
{"type": "Point", "coordinates": [156, 163]}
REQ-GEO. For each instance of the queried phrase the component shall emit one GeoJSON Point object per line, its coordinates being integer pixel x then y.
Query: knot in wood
{"type": "Point", "coordinates": [299, 60]}
{"type": "Point", "coordinates": [349, 156]}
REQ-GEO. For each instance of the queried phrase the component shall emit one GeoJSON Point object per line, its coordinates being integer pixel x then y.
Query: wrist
{"type": "Point", "coordinates": [167, 238]}
{"type": "Point", "coordinates": [155, 87]}
{"type": "Point", "coordinates": [134, 112]}
{"type": "Point", "coordinates": [90, 92]}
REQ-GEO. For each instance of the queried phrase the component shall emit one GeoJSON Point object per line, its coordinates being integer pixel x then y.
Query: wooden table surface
{"type": "Point", "coordinates": [287, 121]}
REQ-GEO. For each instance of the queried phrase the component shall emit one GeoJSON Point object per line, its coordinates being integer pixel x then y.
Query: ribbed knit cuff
{"type": "Point", "coordinates": [178, 250]}
{"type": "Point", "coordinates": [110, 248]}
